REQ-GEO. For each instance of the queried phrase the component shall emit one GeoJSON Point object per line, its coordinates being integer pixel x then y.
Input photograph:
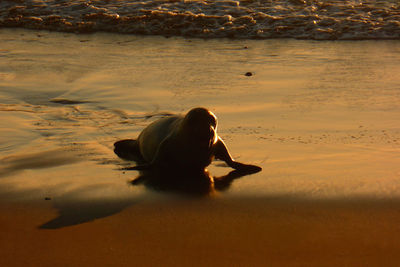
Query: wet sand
{"type": "Point", "coordinates": [320, 118]}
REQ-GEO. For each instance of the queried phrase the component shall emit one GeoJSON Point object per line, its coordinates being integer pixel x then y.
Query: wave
{"type": "Point", "coordinates": [250, 19]}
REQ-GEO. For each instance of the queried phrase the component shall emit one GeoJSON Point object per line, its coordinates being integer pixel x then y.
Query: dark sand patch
{"type": "Point", "coordinates": [68, 102]}
{"type": "Point", "coordinates": [275, 231]}
{"type": "Point", "coordinates": [39, 160]}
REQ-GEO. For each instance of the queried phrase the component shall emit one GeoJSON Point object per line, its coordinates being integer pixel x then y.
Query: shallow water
{"type": "Point", "coordinates": [321, 118]}
{"type": "Point", "coordinates": [304, 19]}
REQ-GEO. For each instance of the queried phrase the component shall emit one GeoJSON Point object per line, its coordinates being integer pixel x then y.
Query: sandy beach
{"type": "Point", "coordinates": [320, 117]}
{"type": "Point", "coordinates": [225, 232]}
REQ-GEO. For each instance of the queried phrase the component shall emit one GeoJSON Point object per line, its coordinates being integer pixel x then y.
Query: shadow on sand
{"type": "Point", "coordinates": [193, 184]}
{"type": "Point", "coordinates": [200, 183]}
{"type": "Point", "coordinates": [77, 212]}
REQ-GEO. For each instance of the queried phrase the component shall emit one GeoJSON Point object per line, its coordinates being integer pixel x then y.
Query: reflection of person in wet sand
{"type": "Point", "coordinates": [183, 146]}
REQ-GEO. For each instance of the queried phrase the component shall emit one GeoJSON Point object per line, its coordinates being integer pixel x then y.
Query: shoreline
{"type": "Point", "coordinates": [202, 38]}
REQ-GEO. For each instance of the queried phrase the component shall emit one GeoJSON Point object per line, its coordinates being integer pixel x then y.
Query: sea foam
{"type": "Point", "coordinates": [250, 19]}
